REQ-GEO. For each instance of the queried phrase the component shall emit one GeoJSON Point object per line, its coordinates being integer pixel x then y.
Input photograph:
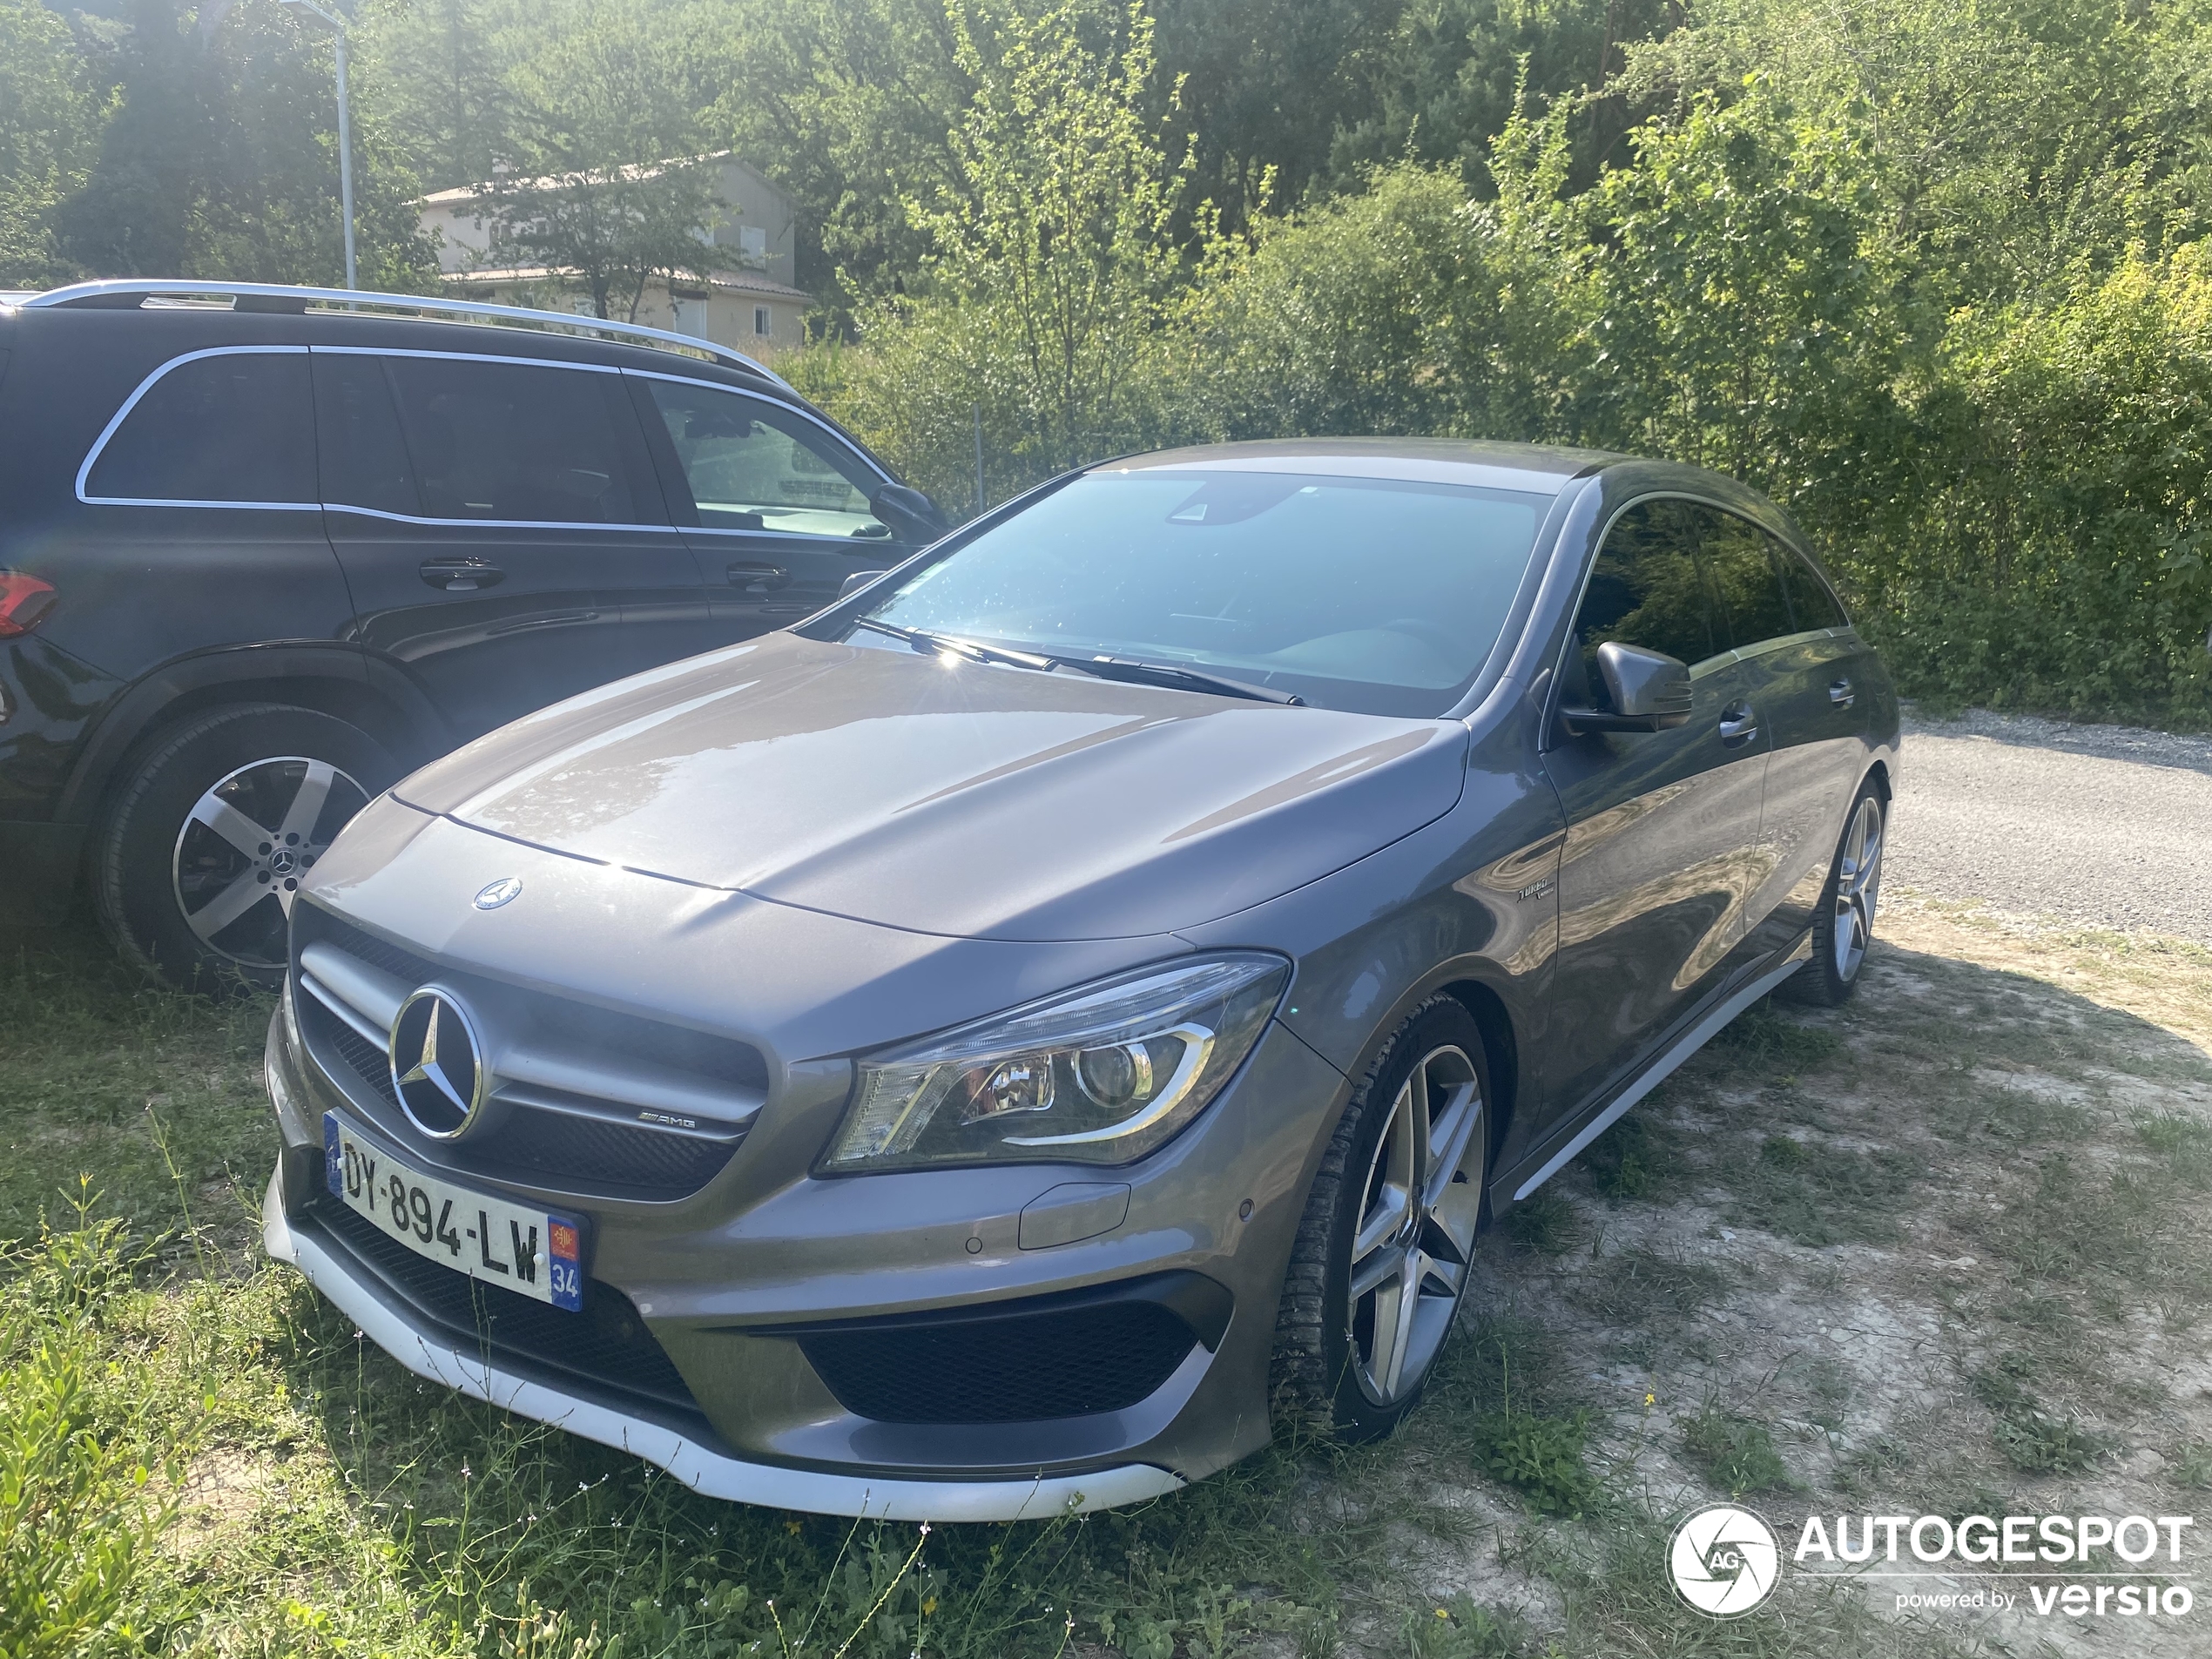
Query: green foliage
{"type": "Point", "coordinates": [1735, 1453]}
{"type": "Point", "coordinates": [81, 1511]}
{"type": "Point", "coordinates": [1539, 1457]}
{"type": "Point", "coordinates": [50, 115]}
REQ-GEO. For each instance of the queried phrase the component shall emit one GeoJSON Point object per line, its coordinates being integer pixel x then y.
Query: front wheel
{"type": "Point", "coordinates": [1843, 926]}
{"type": "Point", "coordinates": [209, 836]}
{"type": "Point", "coordinates": [1386, 1250]}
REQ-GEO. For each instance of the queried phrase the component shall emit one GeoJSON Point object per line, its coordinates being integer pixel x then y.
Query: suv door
{"type": "Point", "coordinates": [501, 527]}
{"type": "Point", "coordinates": [774, 504]}
{"type": "Point", "coordinates": [1661, 826]}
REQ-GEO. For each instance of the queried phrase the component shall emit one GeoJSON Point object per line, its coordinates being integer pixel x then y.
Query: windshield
{"type": "Point", "coordinates": [1372, 595]}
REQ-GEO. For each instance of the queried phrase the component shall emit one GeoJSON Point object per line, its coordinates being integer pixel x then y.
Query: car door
{"type": "Point", "coordinates": [501, 527]}
{"type": "Point", "coordinates": [774, 504]}
{"type": "Point", "coordinates": [1661, 826]}
{"type": "Point", "coordinates": [1818, 694]}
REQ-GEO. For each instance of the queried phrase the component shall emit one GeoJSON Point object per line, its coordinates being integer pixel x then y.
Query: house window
{"type": "Point", "coordinates": [752, 241]}
{"type": "Point", "coordinates": [763, 324]}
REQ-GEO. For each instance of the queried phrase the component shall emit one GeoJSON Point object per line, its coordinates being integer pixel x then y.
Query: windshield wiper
{"type": "Point", "coordinates": [1177, 677]}
{"type": "Point", "coordinates": [967, 648]}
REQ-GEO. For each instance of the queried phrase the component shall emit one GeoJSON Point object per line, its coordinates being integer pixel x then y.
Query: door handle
{"type": "Point", "coordinates": [1739, 724]}
{"type": "Point", "coordinates": [1840, 693]}
{"type": "Point", "coordinates": [757, 576]}
{"type": "Point", "coordinates": [462, 575]}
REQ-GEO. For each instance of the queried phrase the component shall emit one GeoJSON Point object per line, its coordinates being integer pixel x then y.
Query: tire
{"type": "Point", "coordinates": [1843, 926]}
{"type": "Point", "coordinates": [214, 824]}
{"type": "Point", "coordinates": [1418, 1125]}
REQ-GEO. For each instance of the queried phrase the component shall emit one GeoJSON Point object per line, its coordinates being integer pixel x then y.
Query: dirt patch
{"type": "Point", "coordinates": [1940, 1251]}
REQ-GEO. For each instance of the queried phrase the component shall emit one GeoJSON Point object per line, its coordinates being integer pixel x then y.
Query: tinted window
{"type": "Point", "coordinates": [364, 460]}
{"type": "Point", "coordinates": [1646, 589]}
{"type": "Point", "coordinates": [752, 466]}
{"type": "Point", "coordinates": [1810, 600]}
{"type": "Point", "coordinates": [1360, 593]}
{"type": "Point", "coordinates": [1739, 561]}
{"type": "Point", "coordinates": [516, 442]}
{"type": "Point", "coordinates": [234, 428]}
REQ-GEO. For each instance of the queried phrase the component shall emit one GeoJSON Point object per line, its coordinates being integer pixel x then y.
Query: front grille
{"type": "Point", "coordinates": [1016, 1367]}
{"type": "Point", "coordinates": [605, 1346]}
{"type": "Point", "coordinates": [589, 1149]}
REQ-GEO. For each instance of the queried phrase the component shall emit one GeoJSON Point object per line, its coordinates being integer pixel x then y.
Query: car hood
{"type": "Point", "coordinates": [948, 797]}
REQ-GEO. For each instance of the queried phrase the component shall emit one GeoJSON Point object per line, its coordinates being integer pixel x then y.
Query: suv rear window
{"type": "Point", "coordinates": [232, 426]}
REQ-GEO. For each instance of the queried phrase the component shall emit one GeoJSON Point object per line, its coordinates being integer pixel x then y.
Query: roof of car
{"type": "Point", "coordinates": [1536, 468]}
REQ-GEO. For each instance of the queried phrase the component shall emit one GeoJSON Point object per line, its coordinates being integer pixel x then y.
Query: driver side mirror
{"type": "Point", "coordinates": [911, 514]}
{"type": "Point", "coordinates": [1649, 690]}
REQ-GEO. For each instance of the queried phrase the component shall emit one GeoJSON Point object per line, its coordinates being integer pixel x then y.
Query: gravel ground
{"type": "Point", "coordinates": [2101, 824]}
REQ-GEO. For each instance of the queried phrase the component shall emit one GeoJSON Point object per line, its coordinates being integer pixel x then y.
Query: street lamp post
{"type": "Point", "coordinates": [337, 26]}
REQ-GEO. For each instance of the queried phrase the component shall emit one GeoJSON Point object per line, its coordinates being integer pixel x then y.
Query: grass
{"type": "Point", "coordinates": [1732, 1294]}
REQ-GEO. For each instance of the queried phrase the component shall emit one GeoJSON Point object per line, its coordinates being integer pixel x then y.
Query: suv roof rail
{"type": "Point", "coordinates": [118, 292]}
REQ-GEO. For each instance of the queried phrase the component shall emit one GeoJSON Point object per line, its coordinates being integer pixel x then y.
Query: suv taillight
{"type": "Point", "coordinates": [24, 601]}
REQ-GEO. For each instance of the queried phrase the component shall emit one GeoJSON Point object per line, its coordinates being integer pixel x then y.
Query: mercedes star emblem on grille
{"type": "Point", "coordinates": [437, 1063]}
{"type": "Point", "coordinates": [499, 893]}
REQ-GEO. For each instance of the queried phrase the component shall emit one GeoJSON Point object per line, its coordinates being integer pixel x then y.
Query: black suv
{"type": "Point", "coordinates": [264, 549]}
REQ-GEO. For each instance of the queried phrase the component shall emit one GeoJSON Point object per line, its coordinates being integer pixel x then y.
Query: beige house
{"type": "Point", "coordinates": [747, 302]}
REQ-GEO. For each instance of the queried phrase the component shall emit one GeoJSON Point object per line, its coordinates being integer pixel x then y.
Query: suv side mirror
{"type": "Point", "coordinates": [857, 580]}
{"type": "Point", "coordinates": [1650, 691]}
{"type": "Point", "coordinates": [911, 514]}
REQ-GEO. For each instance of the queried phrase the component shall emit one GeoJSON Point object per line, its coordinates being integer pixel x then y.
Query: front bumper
{"type": "Point", "coordinates": [713, 1350]}
{"type": "Point", "coordinates": [706, 1470]}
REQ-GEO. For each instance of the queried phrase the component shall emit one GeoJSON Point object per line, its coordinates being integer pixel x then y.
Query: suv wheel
{"type": "Point", "coordinates": [209, 834]}
{"type": "Point", "coordinates": [1386, 1247]}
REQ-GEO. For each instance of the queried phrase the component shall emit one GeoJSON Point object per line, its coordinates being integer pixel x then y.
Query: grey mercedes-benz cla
{"type": "Point", "coordinates": [982, 1050]}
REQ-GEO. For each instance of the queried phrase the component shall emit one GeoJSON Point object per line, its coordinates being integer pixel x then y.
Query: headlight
{"type": "Point", "coordinates": [1101, 1075]}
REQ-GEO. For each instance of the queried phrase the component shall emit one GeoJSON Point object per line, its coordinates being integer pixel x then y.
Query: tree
{"type": "Point", "coordinates": [602, 176]}
{"type": "Point", "coordinates": [1044, 305]}
{"type": "Point", "coordinates": [50, 118]}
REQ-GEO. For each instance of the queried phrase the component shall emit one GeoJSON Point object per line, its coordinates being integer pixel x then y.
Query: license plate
{"type": "Point", "coordinates": [536, 1253]}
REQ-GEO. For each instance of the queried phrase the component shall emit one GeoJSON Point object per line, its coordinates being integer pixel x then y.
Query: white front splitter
{"type": "Point", "coordinates": [706, 1472]}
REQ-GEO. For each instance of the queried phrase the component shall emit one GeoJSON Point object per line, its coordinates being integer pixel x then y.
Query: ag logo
{"type": "Point", "coordinates": [1724, 1561]}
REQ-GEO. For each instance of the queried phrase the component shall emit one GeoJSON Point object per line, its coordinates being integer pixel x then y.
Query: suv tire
{"type": "Point", "coordinates": [214, 817]}
{"type": "Point", "coordinates": [1414, 1143]}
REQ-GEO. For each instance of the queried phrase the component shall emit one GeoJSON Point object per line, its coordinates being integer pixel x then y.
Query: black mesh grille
{"type": "Point", "coordinates": [374, 951]}
{"type": "Point", "coordinates": [606, 1345]}
{"type": "Point", "coordinates": [1021, 1368]}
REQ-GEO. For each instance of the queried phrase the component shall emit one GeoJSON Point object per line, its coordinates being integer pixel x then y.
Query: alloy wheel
{"type": "Point", "coordinates": [1858, 883]}
{"type": "Point", "coordinates": [246, 845]}
{"type": "Point", "coordinates": [1414, 1245]}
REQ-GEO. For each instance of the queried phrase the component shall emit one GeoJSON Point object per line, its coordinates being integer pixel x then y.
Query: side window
{"type": "Point", "coordinates": [357, 430]}
{"type": "Point", "coordinates": [1810, 600]}
{"type": "Point", "coordinates": [1739, 559]}
{"type": "Point", "coordinates": [752, 466]}
{"type": "Point", "coordinates": [1646, 589]}
{"type": "Point", "coordinates": [235, 427]}
{"type": "Point", "coordinates": [516, 442]}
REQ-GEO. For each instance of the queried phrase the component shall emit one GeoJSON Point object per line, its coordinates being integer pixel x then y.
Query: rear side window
{"type": "Point", "coordinates": [1647, 589]}
{"type": "Point", "coordinates": [516, 442]}
{"type": "Point", "coordinates": [231, 426]}
{"type": "Point", "coordinates": [752, 466]}
{"type": "Point", "coordinates": [1810, 600]}
{"type": "Point", "coordinates": [1740, 560]}
{"type": "Point", "coordinates": [357, 427]}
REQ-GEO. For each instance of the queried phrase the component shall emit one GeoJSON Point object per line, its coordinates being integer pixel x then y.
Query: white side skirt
{"type": "Point", "coordinates": [704, 1470]}
{"type": "Point", "coordinates": [1692, 1039]}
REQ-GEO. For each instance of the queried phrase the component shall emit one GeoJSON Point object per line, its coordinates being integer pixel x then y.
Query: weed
{"type": "Point", "coordinates": [1539, 1457]}
{"type": "Point", "coordinates": [1640, 1284]}
{"type": "Point", "coordinates": [1543, 1222]}
{"type": "Point", "coordinates": [1629, 1160]}
{"type": "Point", "coordinates": [2038, 1444]}
{"type": "Point", "coordinates": [1821, 1195]}
{"type": "Point", "coordinates": [1735, 1453]}
{"type": "Point", "coordinates": [1775, 1045]}
{"type": "Point", "coordinates": [2193, 1465]}
{"type": "Point", "coordinates": [2183, 1144]}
